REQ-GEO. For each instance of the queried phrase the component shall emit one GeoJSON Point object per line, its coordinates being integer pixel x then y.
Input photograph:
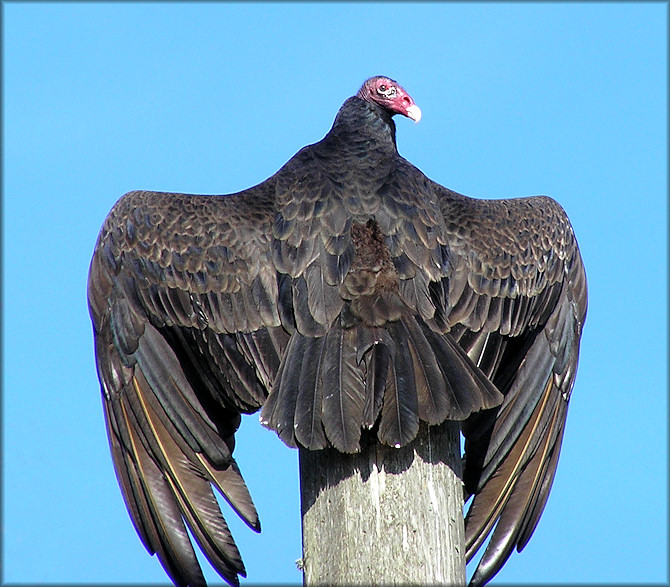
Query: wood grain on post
{"type": "Point", "coordinates": [385, 515]}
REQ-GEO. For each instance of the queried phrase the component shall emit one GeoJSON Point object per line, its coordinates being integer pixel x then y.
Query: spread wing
{"type": "Point", "coordinates": [516, 302]}
{"type": "Point", "coordinates": [199, 302]}
{"type": "Point", "coordinates": [183, 298]}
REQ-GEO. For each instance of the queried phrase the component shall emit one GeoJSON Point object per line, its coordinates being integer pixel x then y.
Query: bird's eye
{"type": "Point", "coordinates": [386, 91]}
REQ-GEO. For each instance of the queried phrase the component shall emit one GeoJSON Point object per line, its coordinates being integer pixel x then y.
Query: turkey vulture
{"type": "Point", "coordinates": [347, 292]}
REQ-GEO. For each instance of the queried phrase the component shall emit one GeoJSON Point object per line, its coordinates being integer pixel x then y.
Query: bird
{"type": "Point", "coordinates": [348, 293]}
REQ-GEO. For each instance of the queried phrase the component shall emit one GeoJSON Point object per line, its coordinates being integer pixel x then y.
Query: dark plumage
{"type": "Point", "coordinates": [347, 291]}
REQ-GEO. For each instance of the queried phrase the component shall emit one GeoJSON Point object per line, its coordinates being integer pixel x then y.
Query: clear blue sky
{"type": "Point", "coordinates": [567, 100]}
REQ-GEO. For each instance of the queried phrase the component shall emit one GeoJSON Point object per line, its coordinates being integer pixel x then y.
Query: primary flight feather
{"type": "Point", "coordinates": [346, 292]}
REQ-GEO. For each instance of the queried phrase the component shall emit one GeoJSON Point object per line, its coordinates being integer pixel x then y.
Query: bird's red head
{"type": "Point", "coordinates": [390, 96]}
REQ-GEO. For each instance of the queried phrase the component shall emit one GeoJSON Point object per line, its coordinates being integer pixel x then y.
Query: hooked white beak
{"type": "Point", "coordinates": [414, 112]}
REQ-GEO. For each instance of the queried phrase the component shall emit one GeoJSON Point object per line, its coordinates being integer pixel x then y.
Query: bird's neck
{"type": "Point", "coordinates": [360, 122]}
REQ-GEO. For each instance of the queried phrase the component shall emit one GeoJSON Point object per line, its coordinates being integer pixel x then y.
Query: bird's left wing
{"type": "Point", "coordinates": [183, 298]}
{"type": "Point", "coordinates": [516, 302]}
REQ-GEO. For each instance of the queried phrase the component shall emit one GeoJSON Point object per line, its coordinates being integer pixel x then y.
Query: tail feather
{"type": "Point", "coordinates": [279, 410]}
{"type": "Point", "coordinates": [399, 422]}
{"type": "Point", "coordinates": [308, 426]}
{"type": "Point", "coordinates": [469, 389]}
{"type": "Point", "coordinates": [378, 364]}
{"type": "Point", "coordinates": [429, 382]}
{"type": "Point", "coordinates": [343, 382]}
{"type": "Point", "coordinates": [328, 388]}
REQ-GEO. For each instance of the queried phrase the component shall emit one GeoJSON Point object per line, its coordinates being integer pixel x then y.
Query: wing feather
{"type": "Point", "coordinates": [186, 338]}
{"type": "Point", "coordinates": [516, 303]}
{"type": "Point", "coordinates": [194, 495]}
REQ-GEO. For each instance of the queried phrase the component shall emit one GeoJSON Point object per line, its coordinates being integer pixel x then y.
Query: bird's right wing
{"type": "Point", "coordinates": [183, 298]}
{"type": "Point", "coordinates": [516, 303]}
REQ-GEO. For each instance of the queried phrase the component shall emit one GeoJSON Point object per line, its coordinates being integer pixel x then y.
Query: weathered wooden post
{"type": "Point", "coordinates": [385, 515]}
